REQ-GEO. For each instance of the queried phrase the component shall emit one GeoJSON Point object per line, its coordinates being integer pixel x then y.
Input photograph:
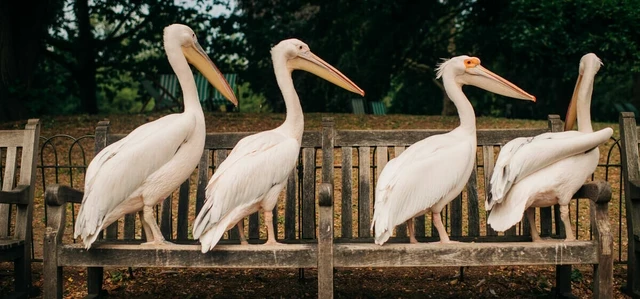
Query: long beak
{"type": "Point", "coordinates": [485, 79]}
{"type": "Point", "coordinates": [311, 63]}
{"type": "Point", "coordinates": [572, 111]}
{"type": "Point", "coordinates": [196, 56]}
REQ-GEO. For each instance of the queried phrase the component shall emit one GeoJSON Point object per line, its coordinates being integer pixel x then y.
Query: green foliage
{"type": "Point", "coordinates": [538, 45]}
{"type": "Point", "coordinates": [121, 44]}
{"type": "Point", "coordinates": [576, 275]}
{"type": "Point", "coordinates": [250, 101]}
{"type": "Point", "coordinates": [388, 48]}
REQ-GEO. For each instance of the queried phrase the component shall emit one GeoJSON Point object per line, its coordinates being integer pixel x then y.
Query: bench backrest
{"type": "Point", "coordinates": [357, 157]}
{"type": "Point", "coordinates": [294, 215]}
{"type": "Point", "coordinates": [19, 148]}
{"type": "Point", "coordinates": [631, 172]}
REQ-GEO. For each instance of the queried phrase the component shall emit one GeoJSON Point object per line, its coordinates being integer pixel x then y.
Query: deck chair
{"type": "Point", "coordinates": [378, 108]}
{"type": "Point", "coordinates": [210, 98]}
{"type": "Point", "coordinates": [165, 91]}
{"type": "Point", "coordinates": [357, 106]}
{"type": "Point", "coordinates": [17, 194]}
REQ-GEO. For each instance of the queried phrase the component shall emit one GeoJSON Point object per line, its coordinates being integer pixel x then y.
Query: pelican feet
{"type": "Point", "coordinates": [445, 242]}
{"type": "Point", "coordinates": [270, 242]}
{"type": "Point", "coordinates": [157, 243]}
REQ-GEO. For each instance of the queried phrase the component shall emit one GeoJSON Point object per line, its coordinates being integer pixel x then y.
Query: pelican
{"type": "Point", "coordinates": [548, 169]}
{"type": "Point", "coordinates": [143, 168]}
{"type": "Point", "coordinates": [256, 170]}
{"type": "Point", "coordinates": [433, 171]}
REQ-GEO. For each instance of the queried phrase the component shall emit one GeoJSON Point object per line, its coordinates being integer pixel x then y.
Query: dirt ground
{"type": "Point", "coordinates": [477, 282]}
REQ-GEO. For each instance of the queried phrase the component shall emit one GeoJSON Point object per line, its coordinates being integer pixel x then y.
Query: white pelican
{"type": "Point", "coordinates": [256, 170]}
{"type": "Point", "coordinates": [433, 171]}
{"type": "Point", "coordinates": [140, 170]}
{"type": "Point", "coordinates": [548, 169]}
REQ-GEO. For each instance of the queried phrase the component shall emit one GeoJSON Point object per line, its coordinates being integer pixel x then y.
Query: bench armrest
{"type": "Point", "coordinates": [19, 195]}
{"type": "Point", "coordinates": [56, 198]}
{"type": "Point", "coordinates": [58, 195]}
{"type": "Point", "coordinates": [598, 192]}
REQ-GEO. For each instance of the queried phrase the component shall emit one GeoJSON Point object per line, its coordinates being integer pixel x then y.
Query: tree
{"type": "Point", "coordinates": [21, 34]}
{"type": "Point", "coordinates": [109, 38]}
{"type": "Point", "coordinates": [538, 44]}
{"type": "Point", "coordinates": [372, 42]}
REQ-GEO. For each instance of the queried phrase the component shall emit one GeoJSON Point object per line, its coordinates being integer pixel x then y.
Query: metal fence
{"type": "Point", "coordinates": [63, 159]}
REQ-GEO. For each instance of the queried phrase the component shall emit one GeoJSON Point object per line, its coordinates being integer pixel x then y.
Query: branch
{"type": "Point", "coordinates": [119, 38]}
{"type": "Point", "coordinates": [123, 20]}
{"type": "Point", "coordinates": [59, 59]}
{"type": "Point", "coordinates": [60, 44]}
{"type": "Point", "coordinates": [414, 65]}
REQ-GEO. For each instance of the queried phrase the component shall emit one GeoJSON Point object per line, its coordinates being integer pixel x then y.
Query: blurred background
{"type": "Point", "coordinates": [62, 57]}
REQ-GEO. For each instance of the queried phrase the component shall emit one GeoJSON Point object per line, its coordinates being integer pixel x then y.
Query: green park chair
{"type": "Point", "coordinates": [377, 108]}
{"type": "Point", "coordinates": [165, 91]}
{"type": "Point", "coordinates": [357, 106]}
{"type": "Point", "coordinates": [211, 97]}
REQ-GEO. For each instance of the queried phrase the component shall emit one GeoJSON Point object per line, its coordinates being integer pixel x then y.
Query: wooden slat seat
{"type": "Point", "coordinates": [16, 202]}
{"type": "Point", "coordinates": [222, 256]}
{"type": "Point", "coordinates": [464, 254]}
{"type": "Point", "coordinates": [6, 244]}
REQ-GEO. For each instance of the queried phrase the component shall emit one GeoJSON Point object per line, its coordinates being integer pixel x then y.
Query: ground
{"type": "Point", "coordinates": [477, 282]}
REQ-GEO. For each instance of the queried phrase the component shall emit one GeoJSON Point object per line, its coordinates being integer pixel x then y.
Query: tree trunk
{"type": "Point", "coordinates": [448, 108]}
{"type": "Point", "coordinates": [23, 25]}
{"type": "Point", "coordinates": [635, 91]}
{"type": "Point", "coordinates": [85, 52]}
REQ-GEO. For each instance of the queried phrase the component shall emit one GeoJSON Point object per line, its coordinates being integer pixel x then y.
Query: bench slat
{"type": "Point", "coordinates": [473, 212]}
{"type": "Point", "coordinates": [222, 256]}
{"type": "Point", "coordinates": [182, 229]}
{"type": "Point", "coordinates": [364, 187]}
{"type": "Point", "coordinates": [308, 193]}
{"type": "Point", "coordinates": [465, 254]}
{"type": "Point", "coordinates": [165, 217]}
{"type": "Point", "coordinates": [7, 185]}
{"type": "Point", "coordinates": [290, 206]}
{"type": "Point", "coordinates": [203, 178]}
{"type": "Point", "coordinates": [488, 162]}
{"type": "Point", "coordinates": [347, 185]}
{"type": "Point", "coordinates": [357, 138]}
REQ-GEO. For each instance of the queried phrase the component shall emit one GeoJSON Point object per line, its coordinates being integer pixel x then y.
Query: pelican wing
{"type": "Point", "coordinates": [119, 169]}
{"type": "Point", "coordinates": [256, 164]}
{"type": "Point", "coordinates": [418, 179]}
{"type": "Point", "coordinates": [524, 156]}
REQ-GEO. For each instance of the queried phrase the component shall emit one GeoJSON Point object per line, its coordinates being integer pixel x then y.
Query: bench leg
{"type": "Point", "coordinates": [563, 282]}
{"type": "Point", "coordinates": [94, 281]}
{"type": "Point", "coordinates": [22, 272]}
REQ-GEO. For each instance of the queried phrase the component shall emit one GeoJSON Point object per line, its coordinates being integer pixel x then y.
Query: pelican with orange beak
{"type": "Point", "coordinates": [433, 171]}
{"type": "Point", "coordinates": [548, 169]}
{"type": "Point", "coordinates": [256, 171]}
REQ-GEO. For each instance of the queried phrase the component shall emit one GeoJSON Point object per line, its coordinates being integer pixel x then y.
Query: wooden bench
{"type": "Point", "coordinates": [631, 175]}
{"type": "Point", "coordinates": [15, 236]}
{"type": "Point", "coordinates": [360, 156]}
{"type": "Point", "coordinates": [120, 248]}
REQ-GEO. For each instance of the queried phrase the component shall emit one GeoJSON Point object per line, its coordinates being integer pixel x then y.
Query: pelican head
{"type": "Point", "coordinates": [299, 57]}
{"type": "Point", "coordinates": [178, 35]}
{"type": "Point", "coordinates": [468, 71]}
{"type": "Point", "coordinates": [589, 66]}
